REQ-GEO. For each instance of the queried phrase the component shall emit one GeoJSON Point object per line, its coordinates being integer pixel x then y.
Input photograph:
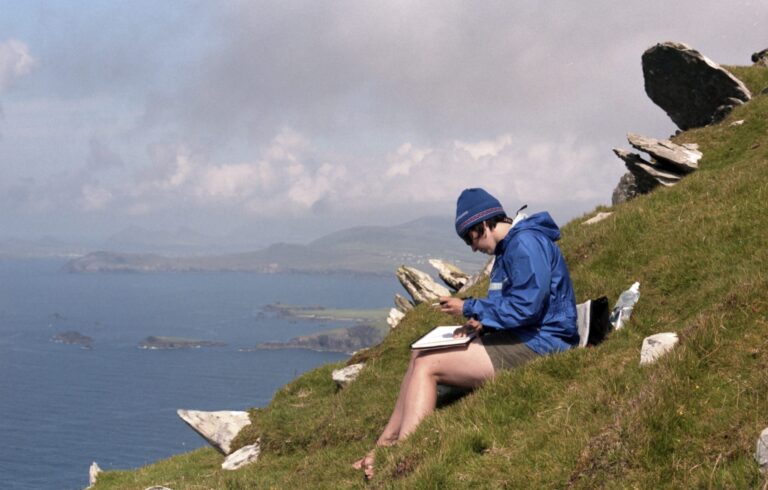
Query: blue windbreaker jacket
{"type": "Point", "coordinates": [530, 291]}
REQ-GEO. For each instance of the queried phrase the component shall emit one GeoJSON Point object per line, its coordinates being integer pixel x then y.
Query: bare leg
{"type": "Point", "coordinates": [467, 367]}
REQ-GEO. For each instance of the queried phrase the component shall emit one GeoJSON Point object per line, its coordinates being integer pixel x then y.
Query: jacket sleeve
{"type": "Point", "coordinates": [524, 300]}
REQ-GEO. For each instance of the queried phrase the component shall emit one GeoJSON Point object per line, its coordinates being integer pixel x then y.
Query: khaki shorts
{"type": "Point", "coordinates": [506, 350]}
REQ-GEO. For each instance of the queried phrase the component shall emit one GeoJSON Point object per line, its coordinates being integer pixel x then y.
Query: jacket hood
{"type": "Point", "coordinates": [541, 222]}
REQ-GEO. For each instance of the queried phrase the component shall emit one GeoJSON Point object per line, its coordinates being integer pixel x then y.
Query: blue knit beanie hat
{"type": "Point", "coordinates": [475, 206]}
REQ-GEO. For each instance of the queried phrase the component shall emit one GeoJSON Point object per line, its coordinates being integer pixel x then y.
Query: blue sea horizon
{"type": "Point", "coordinates": [64, 406]}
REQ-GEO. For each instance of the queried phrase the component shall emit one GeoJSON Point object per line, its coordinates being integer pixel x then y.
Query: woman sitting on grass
{"type": "Point", "coordinates": [530, 311]}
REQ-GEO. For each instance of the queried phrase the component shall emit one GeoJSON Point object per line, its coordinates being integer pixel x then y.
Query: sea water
{"type": "Point", "coordinates": [62, 406]}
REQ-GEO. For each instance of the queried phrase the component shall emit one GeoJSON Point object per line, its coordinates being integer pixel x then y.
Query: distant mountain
{"type": "Point", "coordinates": [361, 249]}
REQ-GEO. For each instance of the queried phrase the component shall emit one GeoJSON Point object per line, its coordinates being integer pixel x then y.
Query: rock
{"type": "Point", "coordinates": [218, 428]}
{"type": "Point", "coordinates": [93, 474]}
{"type": "Point", "coordinates": [760, 58]}
{"type": "Point", "coordinates": [394, 317]}
{"type": "Point", "coordinates": [73, 338]}
{"type": "Point", "coordinates": [420, 285]}
{"type": "Point", "coordinates": [656, 346]}
{"type": "Point", "coordinates": [347, 374]}
{"type": "Point", "coordinates": [243, 456]}
{"type": "Point", "coordinates": [680, 158]}
{"type": "Point", "coordinates": [157, 487]}
{"type": "Point", "coordinates": [451, 275]}
{"type": "Point", "coordinates": [402, 303]}
{"type": "Point", "coordinates": [692, 89]}
{"type": "Point", "coordinates": [648, 175]}
{"type": "Point", "coordinates": [625, 190]}
{"type": "Point", "coordinates": [761, 455]}
{"type": "Point", "coordinates": [596, 218]}
{"type": "Point", "coordinates": [737, 123]}
{"type": "Point", "coordinates": [483, 273]}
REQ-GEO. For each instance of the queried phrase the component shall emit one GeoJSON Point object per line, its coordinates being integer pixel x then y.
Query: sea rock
{"type": "Point", "coordinates": [648, 175]}
{"type": "Point", "coordinates": [692, 89]}
{"type": "Point", "coordinates": [420, 285]}
{"type": "Point", "coordinates": [93, 474]}
{"type": "Point", "coordinates": [680, 158]}
{"type": "Point", "coordinates": [761, 455]}
{"type": "Point", "coordinates": [451, 275]}
{"type": "Point", "coordinates": [243, 456]}
{"type": "Point", "coordinates": [347, 374]}
{"type": "Point", "coordinates": [596, 218]}
{"type": "Point", "coordinates": [394, 317]}
{"type": "Point", "coordinates": [73, 338]}
{"type": "Point", "coordinates": [218, 428]}
{"type": "Point", "coordinates": [760, 58]}
{"type": "Point", "coordinates": [656, 346]}
{"type": "Point", "coordinates": [476, 278]}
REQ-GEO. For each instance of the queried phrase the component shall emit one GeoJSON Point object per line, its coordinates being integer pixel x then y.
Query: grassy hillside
{"type": "Point", "coordinates": [587, 418]}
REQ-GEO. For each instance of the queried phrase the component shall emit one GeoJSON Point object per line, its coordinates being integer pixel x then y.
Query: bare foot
{"type": "Point", "coordinates": [366, 464]}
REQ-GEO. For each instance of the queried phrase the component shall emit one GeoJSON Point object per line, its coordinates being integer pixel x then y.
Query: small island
{"type": "Point", "coordinates": [73, 338]}
{"type": "Point", "coordinates": [337, 340]}
{"type": "Point", "coordinates": [156, 343]}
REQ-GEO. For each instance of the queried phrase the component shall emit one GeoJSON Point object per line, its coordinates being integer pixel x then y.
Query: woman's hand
{"type": "Point", "coordinates": [472, 326]}
{"type": "Point", "coordinates": [451, 305]}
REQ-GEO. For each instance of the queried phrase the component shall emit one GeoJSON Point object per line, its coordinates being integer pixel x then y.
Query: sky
{"type": "Point", "coordinates": [285, 120]}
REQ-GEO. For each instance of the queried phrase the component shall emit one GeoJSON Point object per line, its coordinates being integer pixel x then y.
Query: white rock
{"type": "Point", "coordinates": [450, 274]}
{"type": "Point", "coordinates": [157, 487]}
{"type": "Point", "coordinates": [93, 474]}
{"type": "Point", "coordinates": [347, 374]}
{"type": "Point", "coordinates": [420, 285]}
{"type": "Point", "coordinates": [656, 346]}
{"type": "Point", "coordinates": [243, 456]}
{"type": "Point", "coordinates": [737, 123]}
{"type": "Point", "coordinates": [394, 317]}
{"type": "Point", "coordinates": [761, 455]}
{"type": "Point", "coordinates": [402, 303]}
{"type": "Point", "coordinates": [596, 218]}
{"type": "Point", "coordinates": [218, 428]}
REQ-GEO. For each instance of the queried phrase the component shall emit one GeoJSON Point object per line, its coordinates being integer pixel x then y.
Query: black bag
{"type": "Point", "coordinates": [599, 325]}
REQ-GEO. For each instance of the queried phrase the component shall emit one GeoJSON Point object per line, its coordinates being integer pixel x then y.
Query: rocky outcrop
{"type": "Point", "coordinates": [692, 89]}
{"type": "Point", "coordinates": [668, 162]}
{"type": "Point", "coordinates": [657, 346]}
{"type": "Point", "coordinates": [93, 474]}
{"type": "Point", "coordinates": [218, 428]}
{"type": "Point", "coordinates": [394, 317]}
{"type": "Point", "coordinates": [402, 303]}
{"type": "Point", "coordinates": [682, 159]}
{"type": "Point", "coordinates": [451, 275]}
{"type": "Point", "coordinates": [760, 58]}
{"type": "Point", "coordinates": [420, 285]}
{"type": "Point", "coordinates": [243, 456]}
{"type": "Point", "coordinates": [342, 377]}
{"type": "Point", "coordinates": [479, 276]}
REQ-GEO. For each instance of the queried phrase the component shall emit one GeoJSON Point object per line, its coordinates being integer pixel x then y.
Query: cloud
{"type": "Point", "coordinates": [15, 62]}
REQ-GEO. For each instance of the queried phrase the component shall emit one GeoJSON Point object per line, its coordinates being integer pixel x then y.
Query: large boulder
{"type": "Point", "coordinates": [647, 174]}
{"type": "Point", "coordinates": [451, 275]}
{"type": "Point", "coordinates": [692, 89]}
{"type": "Point", "coordinates": [218, 428]}
{"type": "Point", "coordinates": [420, 285]}
{"type": "Point", "coordinates": [760, 58]}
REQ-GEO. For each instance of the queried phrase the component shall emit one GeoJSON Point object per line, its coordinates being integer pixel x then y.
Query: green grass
{"type": "Point", "coordinates": [587, 418]}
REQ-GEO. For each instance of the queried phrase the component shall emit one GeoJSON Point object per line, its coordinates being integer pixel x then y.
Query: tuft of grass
{"type": "Point", "coordinates": [586, 418]}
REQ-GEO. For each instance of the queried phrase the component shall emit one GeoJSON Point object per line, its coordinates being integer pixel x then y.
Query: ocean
{"type": "Point", "coordinates": [63, 407]}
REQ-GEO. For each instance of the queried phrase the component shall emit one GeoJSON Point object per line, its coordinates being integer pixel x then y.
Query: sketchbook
{"type": "Point", "coordinates": [441, 337]}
